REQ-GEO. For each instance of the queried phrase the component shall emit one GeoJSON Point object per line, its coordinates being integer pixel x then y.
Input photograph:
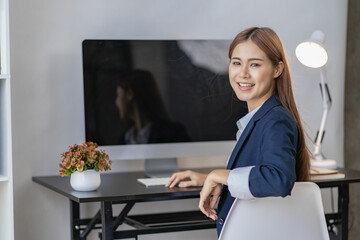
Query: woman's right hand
{"type": "Point", "coordinates": [187, 179]}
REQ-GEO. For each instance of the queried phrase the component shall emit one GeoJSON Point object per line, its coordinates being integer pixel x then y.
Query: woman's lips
{"type": "Point", "coordinates": [246, 86]}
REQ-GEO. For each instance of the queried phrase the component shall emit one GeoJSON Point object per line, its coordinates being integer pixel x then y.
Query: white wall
{"type": "Point", "coordinates": [47, 94]}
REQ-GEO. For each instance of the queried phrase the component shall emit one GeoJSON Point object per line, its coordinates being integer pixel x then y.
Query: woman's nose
{"type": "Point", "coordinates": [244, 72]}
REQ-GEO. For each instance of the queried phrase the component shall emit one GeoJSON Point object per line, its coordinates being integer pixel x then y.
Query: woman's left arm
{"type": "Point", "coordinates": [275, 174]}
{"type": "Point", "coordinates": [211, 191]}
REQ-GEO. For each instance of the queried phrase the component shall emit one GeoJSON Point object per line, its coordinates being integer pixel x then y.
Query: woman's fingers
{"type": "Point", "coordinates": [214, 200]}
{"type": "Point", "coordinates": [176, 178]}
{"type": "Point", "coordinates": [208, 197]}
{"type": "Point", "coordinates": [174, 182]}
{"type": "Point", "coordinates": [204, 201]}
{"type": "Point", "coordinates": [212, 214]}
{"type": "Point", "coordinates": [187, 184]}
{"type": "Point", "coordinates": [205, 209]}
{"type": "Point", "coordinates": [186, 179]}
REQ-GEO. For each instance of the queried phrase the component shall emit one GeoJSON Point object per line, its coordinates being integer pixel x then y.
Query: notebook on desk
{"type": "Point", "coordinates": [319, 174]}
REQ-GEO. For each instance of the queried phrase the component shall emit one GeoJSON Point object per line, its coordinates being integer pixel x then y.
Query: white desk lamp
{"type": "Point", "coordinates": [312, 54]}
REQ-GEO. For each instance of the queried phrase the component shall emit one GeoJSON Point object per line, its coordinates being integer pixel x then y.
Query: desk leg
{"type": "Point", "coordinates": [107, 220]}
{"type": "Point", "coordinates": [74, 214]}
{"type": "Point", "coordinates": [344, 209]}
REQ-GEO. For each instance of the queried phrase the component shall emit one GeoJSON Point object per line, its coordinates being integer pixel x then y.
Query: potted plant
{"type": "Point", "coordinates": [83, 163]}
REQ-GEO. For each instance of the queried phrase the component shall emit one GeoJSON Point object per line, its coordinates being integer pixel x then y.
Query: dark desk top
{"type": "Point", "coordinates": [124, 187]}
{"type": "Point", "coordinates": [121, 187]}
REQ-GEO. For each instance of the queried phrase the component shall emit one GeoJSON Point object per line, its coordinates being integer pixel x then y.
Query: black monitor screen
{"type": "Point", "coordinates": [158, 91]}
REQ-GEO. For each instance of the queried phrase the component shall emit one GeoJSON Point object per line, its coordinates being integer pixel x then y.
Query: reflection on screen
{"type": "Point", "coordinates": [158, 91]}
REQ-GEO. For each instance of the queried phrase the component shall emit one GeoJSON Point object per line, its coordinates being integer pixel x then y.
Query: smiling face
{"type": "Point", "coordinates": [252, 74]}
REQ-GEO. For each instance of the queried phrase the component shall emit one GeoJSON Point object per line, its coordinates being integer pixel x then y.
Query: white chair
{"type": "Point", "coordinates": [295, 217]}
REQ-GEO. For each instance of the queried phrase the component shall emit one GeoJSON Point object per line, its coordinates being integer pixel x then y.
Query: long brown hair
{"type": "Point", "coordinates": [269, 42]}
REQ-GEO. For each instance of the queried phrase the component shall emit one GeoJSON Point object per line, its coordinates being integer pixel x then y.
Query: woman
{"type": "Point", "coordinates": [138, 99]}
{"type": "Point", "coordinates": [270, 154]}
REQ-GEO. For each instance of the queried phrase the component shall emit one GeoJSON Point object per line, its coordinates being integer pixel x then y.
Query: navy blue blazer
{"type": "Point", "coordinates": [269, 143]}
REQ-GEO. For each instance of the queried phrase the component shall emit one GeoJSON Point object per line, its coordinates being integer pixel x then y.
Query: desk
{"type": "Point", "coordinates": [342, 216]}
{"type": "Point", "coordinates": [123, 188]}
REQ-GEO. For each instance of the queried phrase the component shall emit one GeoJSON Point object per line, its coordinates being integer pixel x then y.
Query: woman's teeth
{"type": "Point", "coordinates": [246, 85]}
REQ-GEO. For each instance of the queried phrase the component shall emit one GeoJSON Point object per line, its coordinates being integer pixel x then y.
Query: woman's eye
{"type": "Point", "coordinates": [254, 65]}
{"type": "Point", "coordinates": [236, 63]}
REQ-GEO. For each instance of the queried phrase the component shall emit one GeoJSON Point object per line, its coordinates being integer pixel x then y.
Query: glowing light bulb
{"type": "Point", "coordinates": [311, 53]}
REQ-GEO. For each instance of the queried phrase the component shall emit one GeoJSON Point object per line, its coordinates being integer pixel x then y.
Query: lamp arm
{"type": "Point", "coordinates": [324, 89]}
{"type": "Point", "coordinates": [326, 107]}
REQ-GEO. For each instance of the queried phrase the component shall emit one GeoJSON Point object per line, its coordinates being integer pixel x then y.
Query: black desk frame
{"type": "Point", "coordinates": [178, 221]}
{"type": "Point", "coordinates": [165, 222]}
{"type": "Point", "coordinates": [342, 216]}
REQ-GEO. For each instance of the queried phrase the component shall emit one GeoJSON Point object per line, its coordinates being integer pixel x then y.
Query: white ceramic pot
{"type": "Point", "coordinates": [88, 180]}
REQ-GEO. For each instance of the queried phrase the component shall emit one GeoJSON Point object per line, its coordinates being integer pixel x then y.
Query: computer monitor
{"type": "Point", "coordinates": [159, 99]}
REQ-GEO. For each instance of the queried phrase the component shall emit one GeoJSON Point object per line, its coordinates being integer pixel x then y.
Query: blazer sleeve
{"type": "Point", "coordinates": [274, 175]}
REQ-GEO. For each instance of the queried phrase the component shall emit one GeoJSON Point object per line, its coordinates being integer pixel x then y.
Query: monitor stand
{"type": "Point", "coordinates": [163, 167]}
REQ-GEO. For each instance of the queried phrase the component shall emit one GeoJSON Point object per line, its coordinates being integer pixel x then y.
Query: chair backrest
{"type": "Point", "coordinates": [295, 217]}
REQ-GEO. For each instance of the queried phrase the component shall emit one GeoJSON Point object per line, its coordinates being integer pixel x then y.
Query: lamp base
{"type": "Point", "coordinates": [325, 163]}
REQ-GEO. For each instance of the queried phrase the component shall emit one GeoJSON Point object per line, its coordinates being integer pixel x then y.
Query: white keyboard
{"type": "Point", "coordinates": [154, 181]}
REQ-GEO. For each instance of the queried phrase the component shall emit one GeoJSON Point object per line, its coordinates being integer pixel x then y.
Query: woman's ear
{"type": "Point", "coordinates": [279, 69]}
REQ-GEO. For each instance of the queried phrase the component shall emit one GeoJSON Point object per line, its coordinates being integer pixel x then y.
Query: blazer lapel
{"type": "Point", "coordinates": [240, 143]}
{"type": "Point", "coordinates": [267, 106]}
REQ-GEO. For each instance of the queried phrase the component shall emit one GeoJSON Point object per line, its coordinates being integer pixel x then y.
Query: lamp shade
{"type": "Point", "coordinates": [311, 53]}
